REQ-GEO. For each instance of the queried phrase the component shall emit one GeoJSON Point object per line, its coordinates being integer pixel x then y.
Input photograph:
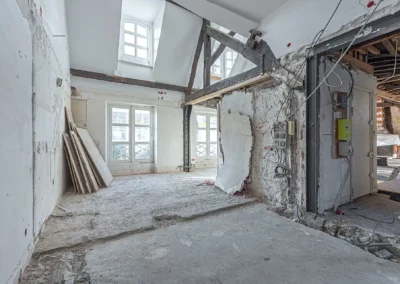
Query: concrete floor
{"type": "Point", "coordinates": [133, 204]}
{"type": "Point", "coordinates": [245, 245]}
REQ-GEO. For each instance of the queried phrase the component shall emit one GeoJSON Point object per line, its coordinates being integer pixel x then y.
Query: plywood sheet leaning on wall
{"type": "Point", "coordinates": [88, 170]}
{"type": "Point", "coordinates": [94, 155]}
{"type": "Point", "coordinates": [236, 144]}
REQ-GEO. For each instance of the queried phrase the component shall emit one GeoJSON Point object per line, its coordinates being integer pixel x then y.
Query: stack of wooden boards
{"type": "Point", "coordinates": [88, 169]}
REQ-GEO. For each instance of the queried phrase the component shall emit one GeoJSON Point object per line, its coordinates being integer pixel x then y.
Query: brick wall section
{"type": "Point", "coordinates": [380, 118]}
{"type": "Point", "coordinates": [395, 115]}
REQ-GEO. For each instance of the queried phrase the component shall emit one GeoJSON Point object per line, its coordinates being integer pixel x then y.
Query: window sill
{"type": "Point", "coordinates": [135, 62]}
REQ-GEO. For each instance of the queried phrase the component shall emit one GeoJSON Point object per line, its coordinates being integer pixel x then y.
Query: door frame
{"type": "Point", "coordinates": [379, 28]}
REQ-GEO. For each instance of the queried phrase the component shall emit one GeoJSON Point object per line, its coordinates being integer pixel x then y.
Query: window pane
{"type": "Point", "coordinates": [142, 117]}
{"type": "Point", "coordinates": [142, 53]}
{"type": "Point", "coordinates": [229, 64]}
{"type": "Point", "coordinates": [129, 38]}
{"type": "Point", "coordinates": [228, 72]}
{"type": "Point", "coordinates": [142, 134]}
{"type": "Point", "coordinates": [201, 135]}
{"type": "Point", "coordinates": [120, 134]}
{"type": "Point", "coordinates": [120, 115]}
{"type": "Point", "coordinates": [216, 71]}
{"type": "Point", "coordinates": [130, 27]}
{"type": "Point", "coordinates": [142, 151]}
{"type": "Point", "coordinates": [141, 30]}
{"type": "Point", "coordinates": [213, 122]}
{"type": "Point", "coordinates": [129, 50]}
{"type": "Point", "coordinates": [213, 135]}
{"type": "Point", "coordinates": [201, 121]}
{"type": "Point", "coordinates": [217, 62]}
{"type": "Point", "coordinates": [213, 150]}
{"type": "Point", "coordinates": [201, 150]}
{"type": "Point", "coordinates": [141, 42]}
{"type": "Point", "coordinates": [120, 152]}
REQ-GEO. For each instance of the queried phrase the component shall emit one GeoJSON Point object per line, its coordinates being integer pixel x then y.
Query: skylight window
{"type": "Point", "coordinates": [136, 43]}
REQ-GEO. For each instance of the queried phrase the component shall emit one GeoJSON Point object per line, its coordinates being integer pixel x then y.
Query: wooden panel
{"type": "Point", "coordinates": [81, 167]}
{"type": "Point", "coordinates": [69, 118]}
{"type": "Point", "coordinates": [74, 163]}
{"type": "Point", "coordinates": [73, 177]}
{"type": "Point", "coordinates": [358, 64]}
{"type": "Point", "coordinates": [95, 156]}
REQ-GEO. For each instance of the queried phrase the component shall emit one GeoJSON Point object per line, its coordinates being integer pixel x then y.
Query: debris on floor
{"type": "Point", "coordinates": [89, 172]}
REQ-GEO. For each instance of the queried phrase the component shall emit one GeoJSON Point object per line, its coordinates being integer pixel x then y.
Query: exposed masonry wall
{"type": "Point", "coordinates": [262, 103]}
{"type": "Point", "coordinates": [395, 121]}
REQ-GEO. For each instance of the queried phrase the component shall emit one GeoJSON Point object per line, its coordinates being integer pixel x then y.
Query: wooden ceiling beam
{"type": "Point", "coordinates": [220, 50]}
{"type": "Point", "coordinates": [389, 47]}
{"type": "Point", "coordinates": [373, 50]}
{"type": "Point", "coordinates": [195, 62]}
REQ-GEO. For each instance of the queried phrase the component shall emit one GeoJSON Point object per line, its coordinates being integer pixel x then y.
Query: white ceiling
{"type": "Point", "coordinates": [142, 10]}
{"type": "Point", "coordinates": [254, 10]}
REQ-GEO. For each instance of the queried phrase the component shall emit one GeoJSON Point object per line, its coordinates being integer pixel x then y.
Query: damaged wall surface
{"type": "Point", "coordinates": [236, 144]}
{"type": "Point", "coordinates": [261, 103]}
{"type": "Point", "coordinates": [34, 168]}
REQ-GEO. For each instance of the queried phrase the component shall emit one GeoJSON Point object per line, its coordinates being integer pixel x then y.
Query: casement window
{"type": "Point", "coordinates": [223, 65]}
{"type": "Point", "coordinates": [230, 57]}
{"type": "Point", "coordinates": [206, 135]}
{"type": "Point", "coordinates": [130, 134]}
{"type": "Point", "coordinates": [136, 42]}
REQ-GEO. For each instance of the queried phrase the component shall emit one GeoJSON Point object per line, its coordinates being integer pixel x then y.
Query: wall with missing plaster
{"type": "Point", "coordinates": [35, 55]}
{"type": "Point", "coordinates": [261, 103]}
{"type": "Point", "coordinates": [95, 97]}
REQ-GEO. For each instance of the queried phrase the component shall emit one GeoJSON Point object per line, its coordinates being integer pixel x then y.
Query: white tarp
{"type": "Point", "coordinates": [236, 144]}
{"type": "Point", "coordinates": [387, 140]}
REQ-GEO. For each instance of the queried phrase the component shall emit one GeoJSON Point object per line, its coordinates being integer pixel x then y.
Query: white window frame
{"type": "Point", "coordinates": [131, 141]}
{"type": "Point", "coordinates": [222, 60]}
{"type": "Point", "coordinates": [135, 59]}
{"type": "Point", "coordinates": [208, 129]}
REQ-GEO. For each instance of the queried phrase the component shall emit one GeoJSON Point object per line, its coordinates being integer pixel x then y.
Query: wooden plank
{"type": "Point", "coordinates": [127, 81]}
{"type": "Point", "coordinates": [207, 54]}
{"type": "Point", "coordinates": [74, 163]}
{"type": "Point", "coordinates": [73, 177]}
{"type": "Point", "coordinates": [358, 64]}
{"type": "Point", "coordinates": [96, 174]}
{"type": "Point", "coordinates": [95, 156]}
{"type": "Point", "coordinates": [69, 118]}
{"type": "Point", "coordinates": [219, 50]}
{"type": "Point", "coordinates": [389, 47]}
{"type": "Point", "coordinates": [195, 61]}
{"type": "Point", "coordinates": [235, 45]}
{"type": "Point", "coordinates": [362, 51]}
{"type": "Point", "coordinates": [81, 152]}
{"type": "Point", "coordinates": [81, 167]}
{"type": "Point", "coordinates": [372, 49]}
{"type": "Point", "coordinates": [230, 84]}
{"type": "Point", "coordinates": [381, 39]}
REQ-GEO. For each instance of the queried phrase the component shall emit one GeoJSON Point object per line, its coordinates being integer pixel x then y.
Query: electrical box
{"type": "Point", "coordinates": [344, 129]}
{"type": "Point", "coordinates": [280, 134]}
{"type": "Point", "coordinates": [291, 128]}
{"type": "Point", "coordinates": [345, 149]}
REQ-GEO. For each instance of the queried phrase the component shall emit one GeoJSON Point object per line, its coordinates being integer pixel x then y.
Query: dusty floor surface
{"type": "Point", "coordinates": [245, 245]}
{"type": "Point", "coordinates": [133, 204]}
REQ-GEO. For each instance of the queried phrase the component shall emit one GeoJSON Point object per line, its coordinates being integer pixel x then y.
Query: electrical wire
{"type": "Point", "coordinates": [280, 169]}
{"type": "Point", "coordinates": [339, 60]}
{"type": "Point", "coordinates": [349, 93]}
{"type": "Point", "coordinates": [337, 86]}
{"type": "Point", "coordinates": [300, 69]}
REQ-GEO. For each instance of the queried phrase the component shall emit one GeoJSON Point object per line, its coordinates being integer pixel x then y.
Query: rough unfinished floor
{"type": "Point", "coordinates": [245, 245]}
{"type": "Point", "coordinates": [133, 204]}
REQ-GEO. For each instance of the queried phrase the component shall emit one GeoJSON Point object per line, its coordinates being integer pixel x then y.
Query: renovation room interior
{"type": "Point", "coordinates": [207, 141]}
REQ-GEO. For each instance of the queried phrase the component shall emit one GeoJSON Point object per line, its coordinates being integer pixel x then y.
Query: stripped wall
{"type": "Point", "coordinates": [32, 164]}
{"type": "Point", "coordinates": [261, 103]}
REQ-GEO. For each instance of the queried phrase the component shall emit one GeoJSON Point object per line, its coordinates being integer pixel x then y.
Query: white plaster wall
{"type": "Point", "coordinates": [168, 124]}
{"type": "Point", "coordinates": [201, 162]}
{"type": "Point", "coordinates": [33, 59]}
{"type": "Point", "coordinates": [178, 41]}
{"type": "Point", "coordinates": [94, 27]}
{"type": "Point", "coordinates": [16, 196]}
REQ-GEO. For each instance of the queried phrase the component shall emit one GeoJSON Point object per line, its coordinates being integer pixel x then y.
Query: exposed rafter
{"type": "Point", "coordinates": [195, 60]}
{"type": "Point", "coordinates": [207, 54]}
{"type": "Point", "coordinates": [250, 77]}
{"type": "Point", "coordinates": [127, 81]}
{"type": "Point", "coordinates": [260, 53]}
{"type": "Point", "coordinates": [220, 50]}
